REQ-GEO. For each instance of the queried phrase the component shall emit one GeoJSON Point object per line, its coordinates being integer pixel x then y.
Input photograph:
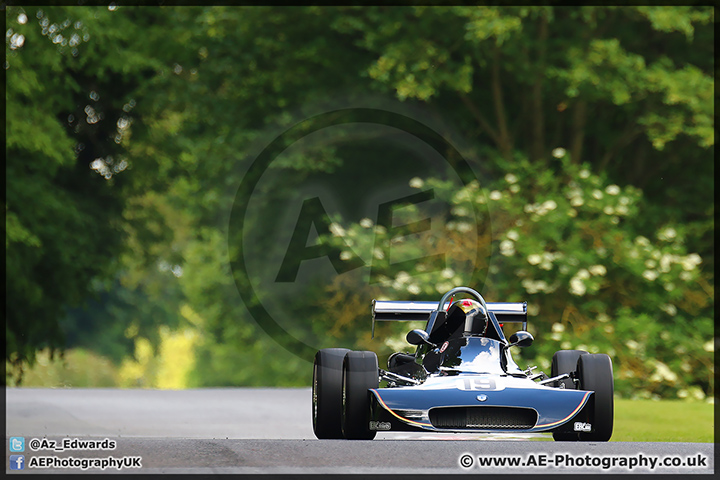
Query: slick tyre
{"type": "Point", "coordinates": [596, 374]}
{"type": "Point", "coordinates": [566, 361]}
{"type": "Point", "coordinates": [359, 373]}
{"type": "Point", "coordinates": [327, 393]}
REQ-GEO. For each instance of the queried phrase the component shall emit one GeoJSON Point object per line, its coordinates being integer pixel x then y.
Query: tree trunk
{"type": "Point", "coordinates": [484, 124]}
{"type": "Point", "coordinates": [630, 134]}
{"type": "Point", "coordinates": [504, 140]}
{"type": "Point", "coordinates": [538, 118]}
{"type": "Point", "coordinates": [578, 130]}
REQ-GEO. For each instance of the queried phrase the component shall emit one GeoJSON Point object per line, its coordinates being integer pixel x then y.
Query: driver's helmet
{"type": "Point", "coordinates": [475, 317]}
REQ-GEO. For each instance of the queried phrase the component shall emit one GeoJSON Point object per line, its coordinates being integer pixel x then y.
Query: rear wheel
{"type": "Point", "coordinates": [596, 374]}
{"type": "Point", "coordinates": [327, 393]}
{"type": "Point", "coordinates": [360, 373]}
{"type": "Point", "coordinates": [566, 361]}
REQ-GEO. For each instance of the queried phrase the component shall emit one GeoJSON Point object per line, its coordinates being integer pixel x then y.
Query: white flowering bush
{"type": "Point", "coordinates": [598, 274]}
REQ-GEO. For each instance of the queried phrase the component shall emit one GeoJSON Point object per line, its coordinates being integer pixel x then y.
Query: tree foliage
{"type": "Point", "coordinates": [567, 242]}
{"type": "Point", "coordinates": [129, 130]}
{"type": "Point", "coordinates": [69, 104]}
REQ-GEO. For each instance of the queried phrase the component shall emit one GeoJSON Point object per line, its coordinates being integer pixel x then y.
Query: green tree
{"type": "Point", "coordinates": [618, 88]}
{"type": "Point", "coordinates": [69, 104]}
{"type": "Point", "coordinates": [567, 242]}
{"type": "Point", "coordinates": [173, 104]}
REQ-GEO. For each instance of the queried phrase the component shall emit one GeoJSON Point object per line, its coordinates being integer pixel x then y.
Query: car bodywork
{"type": "Point", "coordinates": [460, 382]}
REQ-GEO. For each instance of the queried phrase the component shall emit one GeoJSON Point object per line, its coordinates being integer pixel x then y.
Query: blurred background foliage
{"type": "Point", "coordinates": [590, 132]}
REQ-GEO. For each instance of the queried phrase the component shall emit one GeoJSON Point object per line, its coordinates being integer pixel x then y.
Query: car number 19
{"type": "Point", "coordinates": [478, 383]}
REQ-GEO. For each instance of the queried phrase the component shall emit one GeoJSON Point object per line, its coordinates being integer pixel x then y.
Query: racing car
{"type": "Point", "coordinates": [461, 378]}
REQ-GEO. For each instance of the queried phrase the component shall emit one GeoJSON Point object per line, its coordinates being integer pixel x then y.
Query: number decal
{"type": "Point", "coordinates": [477, 383]}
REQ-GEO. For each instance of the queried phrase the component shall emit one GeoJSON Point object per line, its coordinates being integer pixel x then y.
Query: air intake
{"type": "Point", "coordinates": [492, 418]}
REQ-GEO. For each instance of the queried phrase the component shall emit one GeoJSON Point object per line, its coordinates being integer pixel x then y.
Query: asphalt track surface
{"type": "Point", "coordinates": [269, 431]}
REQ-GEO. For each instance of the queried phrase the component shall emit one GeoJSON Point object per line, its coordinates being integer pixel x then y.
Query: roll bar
{"type": "Point", "coordinates": [408, 311]}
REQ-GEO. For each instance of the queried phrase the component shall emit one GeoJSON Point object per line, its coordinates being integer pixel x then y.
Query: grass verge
{"type": "Point", "coordinates": [663, 421]}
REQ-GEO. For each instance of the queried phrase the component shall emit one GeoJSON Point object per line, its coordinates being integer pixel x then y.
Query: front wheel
{"type": "Point", "coordinates": [360, 373]}
{"type": "Point", "coordinates": [596, 374]}
{"type": "Point", "coordinates": [566, 361]}
{"type": "Point", "coordinates": [327, 393]}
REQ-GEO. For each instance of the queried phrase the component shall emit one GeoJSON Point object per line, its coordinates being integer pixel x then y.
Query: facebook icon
{"type": "Point", "coordinates": [17, 462]}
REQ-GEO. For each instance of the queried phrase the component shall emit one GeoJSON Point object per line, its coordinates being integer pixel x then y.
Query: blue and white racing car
{"type": "Point", "coordinates": [461, 378]}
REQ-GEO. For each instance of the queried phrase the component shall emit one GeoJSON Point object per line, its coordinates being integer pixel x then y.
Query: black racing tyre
{"type": "Point", "coordinates": [566, 361]}
{"type": "Point", "coordinates": [327, 393]}
{"type": "Point", "coordinates": [360, 372]}
{"type": "Point", "coordinates": [596, 374]}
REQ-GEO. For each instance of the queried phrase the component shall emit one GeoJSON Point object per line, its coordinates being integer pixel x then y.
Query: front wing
{"type": "Point", "coordinates": [480, 403]}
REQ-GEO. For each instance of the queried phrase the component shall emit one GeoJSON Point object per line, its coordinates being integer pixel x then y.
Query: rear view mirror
{"type": "Point", "coordinates": [418, 337]}
{"type": "Point", "coordinates": [521, 339]}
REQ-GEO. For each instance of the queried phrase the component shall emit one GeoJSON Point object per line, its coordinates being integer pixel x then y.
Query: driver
{"type": "Point", "coordinates": [476, 319]}
{"type": "Point", "coordinates": [464, 317]}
